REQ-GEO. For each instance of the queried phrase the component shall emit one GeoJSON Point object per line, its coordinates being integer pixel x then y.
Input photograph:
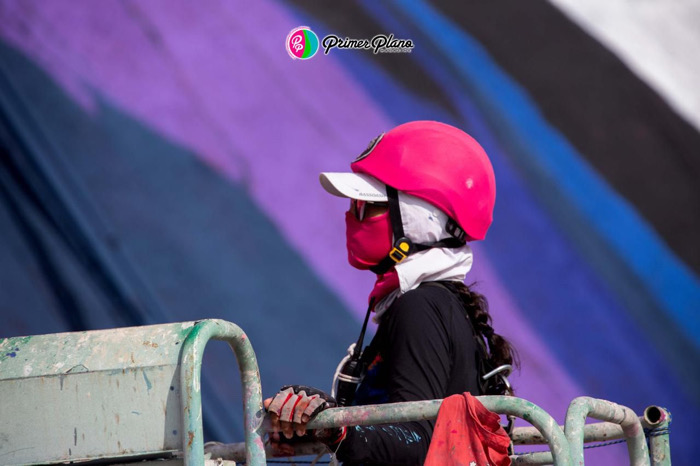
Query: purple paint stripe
{"type": "Point", "coordinates": [543, 380]}
{"type": "Point", "coordinates": [213, 82]}
{"type": "Point", "coordinates": [540, 367]}
{"type": "Point", "coordinates": [289, 123]}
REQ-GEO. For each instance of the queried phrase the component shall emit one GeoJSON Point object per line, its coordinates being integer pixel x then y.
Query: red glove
{"type": "Point", "coordinates": [294, 406]}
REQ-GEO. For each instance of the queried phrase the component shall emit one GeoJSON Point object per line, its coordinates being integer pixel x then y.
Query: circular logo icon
{"type": "Point", "coordinates": [302, 43]}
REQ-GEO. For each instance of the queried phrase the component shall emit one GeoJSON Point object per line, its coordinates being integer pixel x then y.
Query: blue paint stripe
{"type": "Point", "coordinates": [669, 280]}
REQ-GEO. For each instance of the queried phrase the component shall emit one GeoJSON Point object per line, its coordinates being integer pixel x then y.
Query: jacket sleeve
{"type": "Point", "coordinates": [417, 357]}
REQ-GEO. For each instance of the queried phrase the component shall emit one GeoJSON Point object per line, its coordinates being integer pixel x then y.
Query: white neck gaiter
{"type": "Point", "coordinates": [425, 224]}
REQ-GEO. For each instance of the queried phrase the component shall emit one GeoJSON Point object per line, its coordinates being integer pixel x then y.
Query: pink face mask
{"type": "Point", "coordinates": [368, 241]}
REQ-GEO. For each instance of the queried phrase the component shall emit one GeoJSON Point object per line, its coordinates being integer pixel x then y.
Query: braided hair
{"type": "Point", "coordinates": [497, 351]}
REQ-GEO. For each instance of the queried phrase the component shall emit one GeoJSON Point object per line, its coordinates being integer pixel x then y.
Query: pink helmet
{"type": "Point", "coordinates": [440, 164]}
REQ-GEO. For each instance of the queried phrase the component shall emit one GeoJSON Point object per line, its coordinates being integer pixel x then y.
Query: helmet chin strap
{"type": "Point", "coordinates": [403, 246]}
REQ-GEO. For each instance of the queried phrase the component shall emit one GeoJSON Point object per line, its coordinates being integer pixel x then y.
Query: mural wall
{"type": "Point", "coordinates": [160, 163]}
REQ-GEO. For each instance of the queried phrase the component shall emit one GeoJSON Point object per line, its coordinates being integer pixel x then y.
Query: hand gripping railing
{"type": "Point", "coordinates": [566, 446]}
{"type": "Point", "coordinates": [550, 432]}
{"type": "Point", "coordinates": [164, 352]}
{"type": "Point", "coordinates": [193, 349]}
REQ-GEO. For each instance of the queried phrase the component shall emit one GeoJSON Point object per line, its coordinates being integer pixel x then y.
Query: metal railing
{"type": "Point", "coordinates": [190, 371]}
{"type": "Point", "coordinates": [565, 444]}
{"type": "Point", "coordinates": [163, 363]}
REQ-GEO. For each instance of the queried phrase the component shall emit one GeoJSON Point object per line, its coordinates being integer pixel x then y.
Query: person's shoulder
{"type": "Point", "coordinates": [428, 296]}
{"type": "Point", "coordinates": [429, 292]}
{"type": "Point", "coordinates": [425, 310]}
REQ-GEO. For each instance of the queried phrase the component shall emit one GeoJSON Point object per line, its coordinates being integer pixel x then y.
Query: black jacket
{"type": "Point", "coordinates": [424, 349]}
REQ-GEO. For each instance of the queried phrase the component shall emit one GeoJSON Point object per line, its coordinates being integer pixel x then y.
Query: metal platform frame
{"type": "Point", "coordinates": [71, 392]}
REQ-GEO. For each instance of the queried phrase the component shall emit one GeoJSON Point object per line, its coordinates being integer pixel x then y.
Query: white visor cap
{"type": "Point", "coordinates": [354, 185]}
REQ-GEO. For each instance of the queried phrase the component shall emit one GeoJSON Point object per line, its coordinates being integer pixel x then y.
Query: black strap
{"type": "Point", "coordinates": [360, 341]}
{"type": "Point", "coordinates": [388, 262]}
{"type": "Point", "coordinates": [395, 212]}
{"type": "Point", "coordinates": [455, 230]}
{"type": "Point", "coordinates": [450, 243]}
{"type": "Point", "coordinates": [403, 246]}
{"type": "Point", "coordinates": [383, 266]}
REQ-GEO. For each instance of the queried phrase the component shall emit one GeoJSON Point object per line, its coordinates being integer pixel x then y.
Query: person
{"type": "Point", "coordinates": [419, 194]}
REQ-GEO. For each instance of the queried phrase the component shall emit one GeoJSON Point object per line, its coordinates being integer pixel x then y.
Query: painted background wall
{"type": "Point", "coordinates": [160, 162]}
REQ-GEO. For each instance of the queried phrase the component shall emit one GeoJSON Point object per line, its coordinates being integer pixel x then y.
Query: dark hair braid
{"type": "Point", "coordinates": [499, 351]}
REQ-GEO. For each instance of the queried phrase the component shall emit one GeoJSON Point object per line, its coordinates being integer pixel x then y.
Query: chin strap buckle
{"type": "Point", "coordinates": [402, 248]}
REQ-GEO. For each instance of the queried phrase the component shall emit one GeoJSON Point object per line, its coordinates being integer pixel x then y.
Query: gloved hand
{"type": "Point", "coordinates": [294, 406]}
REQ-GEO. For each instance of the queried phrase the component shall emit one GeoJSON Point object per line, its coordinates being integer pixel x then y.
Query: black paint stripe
{"type": "Point", "coordinates": [625, 130]}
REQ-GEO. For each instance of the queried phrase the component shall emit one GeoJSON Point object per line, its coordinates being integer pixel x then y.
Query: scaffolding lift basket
{"type": "Point", "coordinates": [121, 395]}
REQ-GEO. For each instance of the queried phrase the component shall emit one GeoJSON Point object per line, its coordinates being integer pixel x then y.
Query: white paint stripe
{"type": "Point", "coordinates": [657, 40]}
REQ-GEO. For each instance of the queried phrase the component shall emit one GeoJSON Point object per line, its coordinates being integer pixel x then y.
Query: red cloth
{"type": "Point", "coordinates": [467, 434]}
{"type": "Point", "coordinates": [384, 285]}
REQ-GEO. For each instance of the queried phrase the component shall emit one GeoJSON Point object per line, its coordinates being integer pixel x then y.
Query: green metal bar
{"type": "Point", "coordinates": [236, 451]}
{"type": "Point", "coordinates": [530, 412]}
{"type": "Point", "coordinates": [369, 415]}
{"type": "Point", "coordinates": [658, 420]}
{"type": "Point", "coordinates": [190, 371]}
{"type": "Point", "coordinates": [583, 407]}
{"type": "Point", "coordinates": [596, 432]}
{"type": "Point", "coordinates": [536, 458]}
{"type": "Point", "coordinates": [421, 410]}
{"type": "Point", "coordinates": [654, 418]}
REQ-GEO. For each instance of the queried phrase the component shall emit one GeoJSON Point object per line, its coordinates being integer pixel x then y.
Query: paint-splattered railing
{"type": "Point", "coordinates": [565, 449]}
{"type": "Point", "coordinates": [116, 395]}
{"type": "Point", "coordinates": [583, 407]}
{"type": "Point", "coordinates": [655, 421]}
{"type": "Point", "coordinates": [89, 380]}
{"type": "Point", "coordinates": [419, 410]}
{"type": "Point", "coordinates": [389, 413]}
{"type": "Point", "coordinates": [193, 349]}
